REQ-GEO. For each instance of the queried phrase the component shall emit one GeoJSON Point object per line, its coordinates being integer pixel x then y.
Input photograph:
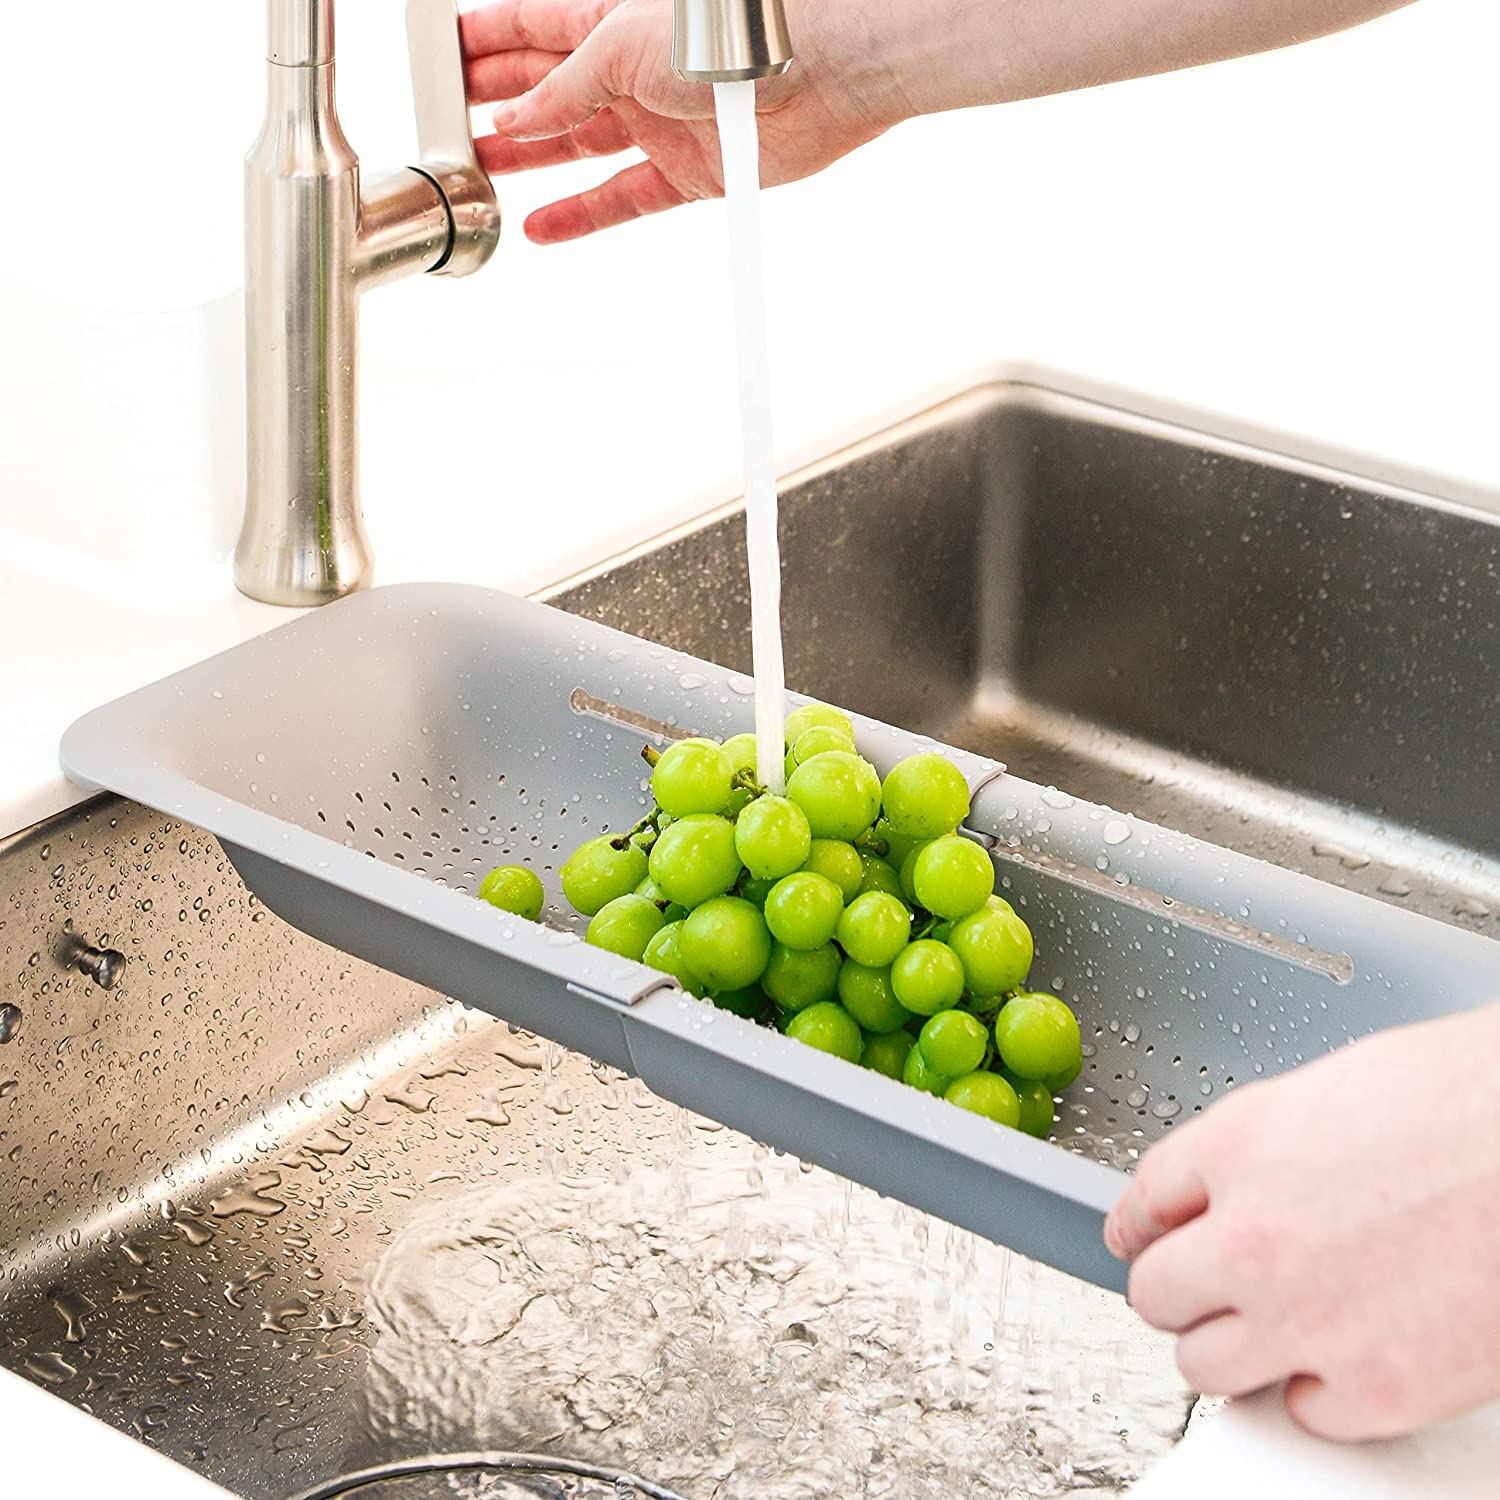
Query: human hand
{"type": "Point", "coordinates": [584, 78]}
{"type": "Point", "coordinates": [1338, 1228]}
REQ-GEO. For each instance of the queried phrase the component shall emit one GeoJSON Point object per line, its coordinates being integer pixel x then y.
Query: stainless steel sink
{"type": "Point", "coordinates": [287, 1217]}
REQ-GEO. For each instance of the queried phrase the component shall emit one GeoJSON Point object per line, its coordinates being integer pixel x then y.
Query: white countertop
{"type": "Point", "coordinates": [1303, 243]}
{"type": "Point", "coordinates": [53, 1450]}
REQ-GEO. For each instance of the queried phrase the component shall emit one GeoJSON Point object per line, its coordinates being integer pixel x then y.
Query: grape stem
{"type": "Point", "coordinates": [650, 755]}
{"type": "Point", "coordinates": [643, 834]}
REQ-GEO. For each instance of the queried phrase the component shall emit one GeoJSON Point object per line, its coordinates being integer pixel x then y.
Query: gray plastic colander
{"type": "Point", "coordinates": [365, 765]}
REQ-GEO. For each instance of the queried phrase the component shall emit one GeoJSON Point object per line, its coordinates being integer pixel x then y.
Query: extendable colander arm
{"type": "Point", "coordinates": [316, 237]}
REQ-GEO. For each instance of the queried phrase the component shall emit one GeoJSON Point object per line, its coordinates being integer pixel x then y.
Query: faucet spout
{"type": "Point", "coordinates": [729, 41]}
{"type": "Point", "coordinates": [316, 238]}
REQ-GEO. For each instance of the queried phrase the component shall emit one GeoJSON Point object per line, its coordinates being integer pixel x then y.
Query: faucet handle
{"type": "Point", "coordinates": [444, 136]}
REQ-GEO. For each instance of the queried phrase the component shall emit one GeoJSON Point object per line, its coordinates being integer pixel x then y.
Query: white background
{"type": "Point", "coordinates": [1305, 242]}
{"type": "Point", "coordinates": [1307, 239]}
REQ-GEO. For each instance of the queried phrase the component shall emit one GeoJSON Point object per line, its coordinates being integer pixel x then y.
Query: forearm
{"type": "Point", "coordinates": [950, 54]}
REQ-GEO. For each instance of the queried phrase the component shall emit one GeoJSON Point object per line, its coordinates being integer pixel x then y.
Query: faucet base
{"type": "Point", "coordinates": [301, 578]}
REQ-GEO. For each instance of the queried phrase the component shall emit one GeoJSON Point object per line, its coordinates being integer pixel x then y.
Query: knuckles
{"type": "Point", "coordinates": [1199, 1373]}
{"type": "Point", "coordinates": [1253, 1249]}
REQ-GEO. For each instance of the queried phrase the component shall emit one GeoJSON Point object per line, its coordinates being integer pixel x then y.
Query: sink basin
{"type": "Point", "coordinates": [287, 1217]}
{"type": "Point", "coordinates": [1284, 660]}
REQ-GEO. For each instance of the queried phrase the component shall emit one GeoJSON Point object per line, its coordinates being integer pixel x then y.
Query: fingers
{"type": "Point", "coordinates": [1165, 1193]}
{"type": "Point", "coordinates": [1375, 1400]}
{"type": "Point", "coordinates": [602, 136]}
{"type": "Point", "coordinates": [574, 91]}
{"type": "Point", "coordinates": [1227, 1356]}
{"type": "Point", "coordinates": [543, 25]}
{"type": "Point", "coordinates": [1180, 1280]}
{"type": "Point", "coordinates": [505, 75]}
{"type": "Point", "coordinates": [631, 194]}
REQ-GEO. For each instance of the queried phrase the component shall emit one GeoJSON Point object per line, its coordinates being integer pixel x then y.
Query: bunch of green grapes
{"type": "Point", "coordinates": [850, 913]}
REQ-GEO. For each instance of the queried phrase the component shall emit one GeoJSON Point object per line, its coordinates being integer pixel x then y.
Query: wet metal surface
{"type": "Point", "coordinates": [287, 1217]}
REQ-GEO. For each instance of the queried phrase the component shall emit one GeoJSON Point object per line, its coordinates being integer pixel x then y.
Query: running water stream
{"type": "Point", "coordinates": [740, 144]}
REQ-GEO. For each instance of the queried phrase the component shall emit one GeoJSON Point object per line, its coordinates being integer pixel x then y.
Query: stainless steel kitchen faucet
{"type": "Point", "coordinates": [316, 238]}
{"type": "Point", "coordinates": [729, 41]}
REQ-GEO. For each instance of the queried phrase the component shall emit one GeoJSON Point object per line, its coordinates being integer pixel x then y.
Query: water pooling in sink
{"type": "Point", "coordinates": [730, 1323]}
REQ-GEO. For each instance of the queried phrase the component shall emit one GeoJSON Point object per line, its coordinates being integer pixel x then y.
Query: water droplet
{"type": "Point", "coordinates": [250, 1197]}
{"type": "Point", "coordinates": [50, 1369]}
{"type": "Point", "coordinates": [71, 1307]}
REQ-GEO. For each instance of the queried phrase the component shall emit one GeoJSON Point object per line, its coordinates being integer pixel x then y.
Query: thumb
{"type": "Point", "coordinates": [570, 95]}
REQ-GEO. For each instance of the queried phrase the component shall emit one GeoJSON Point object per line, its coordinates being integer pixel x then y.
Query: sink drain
{"type": "Point", "coordinates": [537, 1465]}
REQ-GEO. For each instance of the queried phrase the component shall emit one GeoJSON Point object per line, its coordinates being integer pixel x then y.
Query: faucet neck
{"type": "Point", "coordinates": [299, 32]}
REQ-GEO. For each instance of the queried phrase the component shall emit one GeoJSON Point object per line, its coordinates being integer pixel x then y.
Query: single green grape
{"type": "Point", "coordinates": [1037, 1036]}
{"type": "Point", "coordinates": [692, 776]}
{"type": "Point", "coordinates": [838, 861]}
{"type": "Point", "coordinates": [829, 1028]}
{"type": "Point", "coordinates": [753, 889]}
{"type": "Point", "coordinates": [1036, 1105]}
{"type": "Point", "coordinates": [664, 954]}
{"type": "Point", "coordinates": [1066, 1077]}
{"type": "Point", "coordinates": [925, 796]}
{"type": "Point", "coordinates": [886, 1053]}
{"type": "Point", "coordinates": [953, 877]}
{"type": "Point", "coordinates": [740, 748]}
{"type": "Point", "coordinates": [927, 977]}
{"type": "Point", "coordinates": [810, 715]}
{"type": "Point", "coordinates": [874, 929]}
{"type": "Point", "coordinates": [772, 837]}
{"type": "Point", "coordinates": [897, 845]}
{"type": "Point", "coordinates": [514, 888]}
{"type": "Point", "coordinates": [909, 870]}
{"type": "Point", "coordinates": [625, 926]}
{"type": "Point", "coordinates": [919, 1075]}
{"type": "Point", "coordinates": [879, 875]}
{"type": "Point", "coordinates": [994, 945]}
{"type": "Point", "coordinates": [749, 1003]}
{"type": "Point", "coordinates": [803, 910]}
{"type": "Point", "coordinates": [867, 995]}
{"type": "Point", "coordinates": [817, 741]}
{"type": "Point", "coordinates": [840, 793]}
{"type": "Point", "coordinates": [598, 871]}
{"type": "Point", "coordinates": [795, 979]}
{"type": "Point", "coordinates": [726, 943]}
{"type": "Point", "coordinates": [986, 1094]}
{"type": "Point", "coordinates": [695, 859]}
{"type": "Point", "coordinates": [953, 1042]}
